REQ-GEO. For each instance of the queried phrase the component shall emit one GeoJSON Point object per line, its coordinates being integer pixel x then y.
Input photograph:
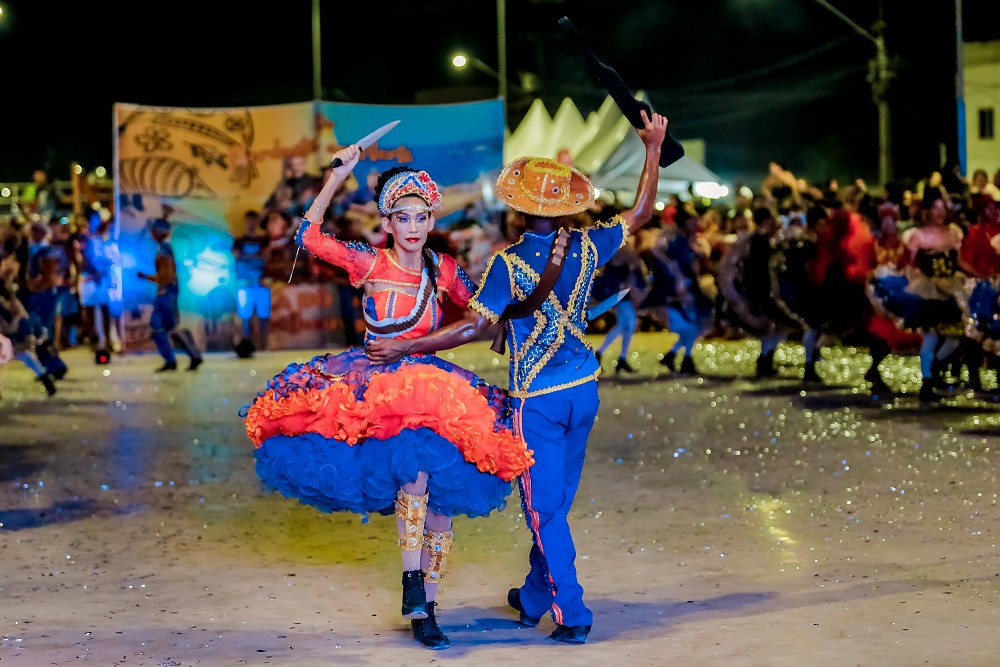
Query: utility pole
{"type": "Point", "coordinates": [317, 78]}
{"type": "Point", "coordinates": [960, 89]}
{"type": "Point", "coordinates": [880, 74]}
{"type": "Point", "coordinates": [502, 53]}
{"type": "Point", "coordinates": [880, 77]}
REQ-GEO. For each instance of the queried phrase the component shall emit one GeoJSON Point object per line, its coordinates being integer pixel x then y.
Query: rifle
{"type": "Point", "coordinates": [671, 150]}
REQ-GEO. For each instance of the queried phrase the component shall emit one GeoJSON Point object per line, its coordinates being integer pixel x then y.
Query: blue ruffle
{"type": "Point", "coordinates": [913, 312]}
{"type": "Point", "coordinates": [333, 476]}
{"type": "Point", "coordinates": [984, 310]}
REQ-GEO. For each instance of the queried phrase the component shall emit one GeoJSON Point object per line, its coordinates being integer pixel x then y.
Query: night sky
{"type": "Point", "coordinates": [758, 80]}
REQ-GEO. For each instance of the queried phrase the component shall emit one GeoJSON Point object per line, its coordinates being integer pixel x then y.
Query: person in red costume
{"type": "Point", "coordinates": [891, 254]}
{"type": "Point", "coordinates": [420, 438]}
{"type": "Point", "coordinates": [845, 257]}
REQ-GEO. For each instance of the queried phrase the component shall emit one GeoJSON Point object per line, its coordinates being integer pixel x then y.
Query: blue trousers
{"type": "Point", "coordinates": [556, 427]}
{"type": "Point", "coordinates": [165, 322]}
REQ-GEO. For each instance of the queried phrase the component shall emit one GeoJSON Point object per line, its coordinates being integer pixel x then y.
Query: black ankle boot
{"type": "Point", "coordinates": [48, 383]}
{"type": "Point", "coordinates": [621, 366]}
{"type": "Point", "coordinates": [765, 366]}
{"type": "Point", "coordinates": [687, 366]}
{"type": "Point", "coordinates": [668, 360]}
{"type": "Point", "coordinates": [414, 595]}
{"type": "Point", "coordinates": [927, 393]}
{"type": "Point", "coordinates": [810, 374]}
{"type": "Point", "coordinates": [427, 632]}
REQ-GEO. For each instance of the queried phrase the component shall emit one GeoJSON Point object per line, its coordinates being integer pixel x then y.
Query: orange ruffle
{"type": "Point", "coordinates": [414, 396]}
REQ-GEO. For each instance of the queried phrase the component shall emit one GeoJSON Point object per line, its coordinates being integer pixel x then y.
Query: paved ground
{"type": "Point", "coordinates": [721, 521]}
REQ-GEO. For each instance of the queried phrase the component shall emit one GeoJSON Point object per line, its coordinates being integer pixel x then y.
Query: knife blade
{"type": "Point", "coordinates": [368, 140]}
{"type": "Point", "coordinates": [605, 305]}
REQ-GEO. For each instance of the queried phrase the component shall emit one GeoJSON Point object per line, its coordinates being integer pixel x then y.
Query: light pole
{"type": "Point", "coordinates": [960, 88]}
{"type": "Point", "coordinates": [317, 78]}
{"type": "Point", "coordinates": [879, 76]}
{"type": "Point", "coordinates": [502, 53]}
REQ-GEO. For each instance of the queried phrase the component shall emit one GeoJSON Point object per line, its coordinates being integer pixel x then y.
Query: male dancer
{"type": "Point", "coordinates": [165, 321]}
{"type": "Point", "coordinates": [553, 371]}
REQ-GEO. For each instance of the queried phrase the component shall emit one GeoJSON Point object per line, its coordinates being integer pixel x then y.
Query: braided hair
{"type": "Point", "coordinates": [428, 255]}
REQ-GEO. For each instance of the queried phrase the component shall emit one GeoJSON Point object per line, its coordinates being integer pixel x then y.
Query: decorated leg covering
{"type": "Point", "coordinates": [438, 546]}
{"type": "Point", "coordinates": [411, 511]}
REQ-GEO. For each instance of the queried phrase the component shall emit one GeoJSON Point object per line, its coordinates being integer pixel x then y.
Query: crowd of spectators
{"type": "Point", "coordinates": [63, 274]}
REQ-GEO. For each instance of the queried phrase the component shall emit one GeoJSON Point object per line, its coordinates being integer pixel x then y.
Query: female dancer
{"type": "Point", "coordinates": [421, 438]}
{"type": "Point", "coordinates": [928, 296]}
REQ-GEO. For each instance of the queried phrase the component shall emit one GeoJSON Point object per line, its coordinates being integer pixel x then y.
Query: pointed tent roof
{"type": "Point", "coordinates": [568, 127]}
{"type": "Point", "coordinates": [604, 145]}
{"type": "Point", "coordinates": [607, 129]}
{"type": "Point", "coordinates": [620, 172]}
{"type": "Point", "coordinates": [527, 135]}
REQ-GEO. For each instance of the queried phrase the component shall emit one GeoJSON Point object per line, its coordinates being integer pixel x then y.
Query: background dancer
{"type": "Point", "coordinates": [166, 318]}
{"type": "Point", "coordinates": [745, 281]}
{"type": "Point", "coordinates": [677, 294]}
{"type": "Point", "coordinates": [929, 295]}
{"type": "Point", "coordinates": [625, 270]}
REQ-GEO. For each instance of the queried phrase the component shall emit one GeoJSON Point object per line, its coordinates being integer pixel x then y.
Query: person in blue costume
{"type": "Point", "coordinates": [421, 438]}
{"type": "Point", "coordinates": [677, 267]}
{"type": "Point", "coordinates": [166, 319]}
{"type": "Point", "coordinates": [624, 271]}
{"type": "Point", "coordinates": [553, 370]}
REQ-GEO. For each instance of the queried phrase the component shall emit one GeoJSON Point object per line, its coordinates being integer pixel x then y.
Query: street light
{"type": "Point", "coordinates": [460, 60]}
{"type": "Point", "coordinates": [879, 76]}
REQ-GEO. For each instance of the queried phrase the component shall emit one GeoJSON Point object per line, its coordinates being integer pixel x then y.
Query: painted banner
{"type": "Point", "coordinates": [204, 169]}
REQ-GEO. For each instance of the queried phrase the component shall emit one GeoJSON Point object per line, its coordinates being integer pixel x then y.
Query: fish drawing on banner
{"type": "Point", "coordinates": [162, 176]}
{"type": "Point", "coordinates": [197, 139]}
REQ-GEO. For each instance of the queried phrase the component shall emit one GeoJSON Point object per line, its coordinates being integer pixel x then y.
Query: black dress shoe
{"type": "Point", "coordinates": [168, 366]}
{"type": "Point", "coordinates": [427, 632]}
{"type": "Point", "coordinates": [514, 600]}
{"type": "Point", "coordinates": [195, 362]}
{"type": "Point", "coordinates": [668, 360]}
{"type": "Point", "coordinates": [765, 366]}
{"type": "Point", "coordinates": [622, 366]}
{"type": "Point", "coordinates": [880, 390]}
{"type": "Point", "coordinates": [571, 634]}
{"type": "Point", "coordinates": [810, 374]}
{"type": "Point", "coordinates": [48, 383]}
{"type": "Point", "coordinates": [927, 393]}
{"type": "Point", "coordinates": [687, 366]}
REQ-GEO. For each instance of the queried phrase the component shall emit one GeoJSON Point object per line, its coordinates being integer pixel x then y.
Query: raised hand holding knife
{"type": "Point", "coordinates": [350, 156]}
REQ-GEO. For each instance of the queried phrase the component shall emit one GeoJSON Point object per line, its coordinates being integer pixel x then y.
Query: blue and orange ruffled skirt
{"type": "Point", "coordinates": [339, 433]}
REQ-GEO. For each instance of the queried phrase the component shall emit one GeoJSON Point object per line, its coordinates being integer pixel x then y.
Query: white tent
{"type": "Point", "coordinates": [604, 145]}
{"type": "Point", "coordinates": [620, 172]}
{"type": "Point", "coordinates": [588, 141]}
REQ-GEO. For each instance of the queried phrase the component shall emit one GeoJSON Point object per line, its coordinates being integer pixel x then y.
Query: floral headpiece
{"type": "Point", "coordinates": [417, 183]}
